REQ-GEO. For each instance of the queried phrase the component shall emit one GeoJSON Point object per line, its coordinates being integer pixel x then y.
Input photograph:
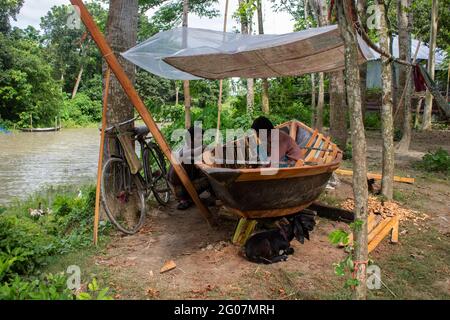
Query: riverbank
{"type": "Point", "coordinates": [42, 230]}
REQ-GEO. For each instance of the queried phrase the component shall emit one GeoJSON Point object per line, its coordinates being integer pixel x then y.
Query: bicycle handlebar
{"type": "Point", "coordinates": [120, 124]}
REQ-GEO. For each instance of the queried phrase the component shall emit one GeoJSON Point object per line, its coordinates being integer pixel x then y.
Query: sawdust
{"type": "Point", "coordinates": [388, 209]}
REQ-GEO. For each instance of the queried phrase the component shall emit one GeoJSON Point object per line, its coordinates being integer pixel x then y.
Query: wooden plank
{"type": "Point", "coordinates": [312, 153]}
{"type": "Point", "coordinates": [100, 157]}
{"type": "Point", "coordinates": [244, 229]}
{"type": "Point", "coordinates": [381, 235]}
{"type": "Point", "coordinates": [310, 142]}
{"type": "Point", "coordinates": [376, 176]}
{"type": "Point", "coordinates": [383, 223]}
{"type": "Point", "coordinates": [371, 222]}
{"type": "Point", "coordinates": [293, 130]}
{"type": "Point", "coordinates": [139, 105]}
{"type": "Point", "coordinates": [394, 235]}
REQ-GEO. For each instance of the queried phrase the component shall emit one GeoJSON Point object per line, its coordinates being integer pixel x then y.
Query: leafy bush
{"type": "Point", "coordinates": [81, 110]}
{"type": "Point", "coordinates": [372, 120]}
{"type": "Point", "coordinates": [438, 161]}
{"type": "Point", "coordinates": [49, 287]}
{"type": "Point", "coordinates": [26, 242]}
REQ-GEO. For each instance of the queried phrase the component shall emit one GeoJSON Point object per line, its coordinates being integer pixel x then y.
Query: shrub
{"type": "Point", "coordinates": [372, 120]}
{"type": "Point", "coordinates": [438, 161]}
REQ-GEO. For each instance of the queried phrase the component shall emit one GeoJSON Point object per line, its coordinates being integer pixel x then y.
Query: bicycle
{"type": "Point", "coordinates": [128, 182]}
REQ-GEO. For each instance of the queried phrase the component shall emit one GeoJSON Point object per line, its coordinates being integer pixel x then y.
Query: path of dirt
{"type": "Point", "coordinates": [209, 266]}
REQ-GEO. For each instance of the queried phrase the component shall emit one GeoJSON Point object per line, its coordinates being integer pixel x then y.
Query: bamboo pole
{"type": "Point", "coordinates": [219, 103]}
{"type": "Point", "coordinates": [100, 156]}
{"type": "Point", "coordinates": [139, 105]}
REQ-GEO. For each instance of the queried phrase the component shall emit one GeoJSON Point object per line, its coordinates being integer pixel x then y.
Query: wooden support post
{"type": "Point", "coordinates": [100, 157]}
{"type": "Point", "coordinates": [139, 105]}
{"type": "Point", "coordinates": [244, 229]}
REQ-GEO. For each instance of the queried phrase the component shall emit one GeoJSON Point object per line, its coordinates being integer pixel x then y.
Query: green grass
{"type": "Point", "coordinates": [417, 267]}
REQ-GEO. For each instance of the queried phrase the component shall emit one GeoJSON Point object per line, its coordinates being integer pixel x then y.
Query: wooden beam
{"type": "Point", "coordinates": [137, 102]}
{"type": "Point", "coordinates": [382, 234]}
{"type": "Point", "coordinates": [100, 157]}
{"type": "Point", "coordinates": [376, 176]}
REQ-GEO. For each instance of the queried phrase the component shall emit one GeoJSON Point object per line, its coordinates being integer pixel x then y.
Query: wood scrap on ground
{"type": "Point", "coordinates": [388, 209]}
{"type": "Point", "coordinates": [376, 176]}
{"type": "Point", "coordinates": [169, 265]}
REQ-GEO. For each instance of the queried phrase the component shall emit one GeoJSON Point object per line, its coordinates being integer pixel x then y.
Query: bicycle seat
{"type": "Point", "coordinates": [141, 131]}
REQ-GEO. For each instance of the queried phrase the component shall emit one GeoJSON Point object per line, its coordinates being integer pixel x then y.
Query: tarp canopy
{"type": "Point", "coordinates": [190, 53]}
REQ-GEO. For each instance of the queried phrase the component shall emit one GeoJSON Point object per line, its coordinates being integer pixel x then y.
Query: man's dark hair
{"type": "Point", "coordinates": [262, 123]}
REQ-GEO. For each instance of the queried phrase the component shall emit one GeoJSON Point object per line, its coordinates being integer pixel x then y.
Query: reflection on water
{"type": "Point", "coordinates": [29, 161]}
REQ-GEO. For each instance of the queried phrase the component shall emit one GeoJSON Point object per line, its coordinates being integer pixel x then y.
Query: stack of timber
{"type": "Point", "coordinates": [378, 228]}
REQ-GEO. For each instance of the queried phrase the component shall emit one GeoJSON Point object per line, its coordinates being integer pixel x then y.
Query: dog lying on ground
{"type": "Point", "coordinates": [275, 245]}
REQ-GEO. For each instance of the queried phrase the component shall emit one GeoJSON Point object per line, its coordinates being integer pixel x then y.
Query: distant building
{"type": "Point", "coordinates": [374, 67]}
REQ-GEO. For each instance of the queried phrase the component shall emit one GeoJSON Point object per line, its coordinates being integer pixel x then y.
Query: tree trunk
{"type": "Point", "coordinates": [121, 34]}
{"type": "Point", "coordinates": [246, 23]}
{"type": "Point", "coordinates": [313, 76]}
{"type": "Point", "coordinates": [387, 125]}
{"type": "Point", "coordinates": [77, 83]}
{"type": "Point", "coordinates": [362, 11]}
{"type": "Point", "coordinates": [358, 142]}
{"type": "Point", "coordinates": [186, 86]}
{"type": "Point", "coordinates": [404, 38]}
{"type": "Point", "coordinates": [320, 10]}
{"type": "Point", "coordinates": [265, 83]}
{"type": "Point", "coordinates": [320, 103]}
{"type": "Point", "coordinates": [426, 122]}
{"type": "Point", "coordinates": [338, 109]}
{"type": "Point", "coordinates": [177, 93]}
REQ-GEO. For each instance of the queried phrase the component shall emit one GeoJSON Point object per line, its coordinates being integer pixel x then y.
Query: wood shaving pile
{"type": "Point", "coordinates": [387, 209]}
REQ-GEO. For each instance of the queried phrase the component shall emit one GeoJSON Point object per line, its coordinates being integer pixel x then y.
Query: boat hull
{"type": "Point", "coordinates": [268, 198]}
{"type": "Point", "coordinates": [40, 129]}
{"type": "Point", "coordinates": [268, 192]}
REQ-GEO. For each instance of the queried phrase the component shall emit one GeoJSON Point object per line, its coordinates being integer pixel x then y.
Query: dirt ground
{"type": "Point", "coordinates": [210, 267]}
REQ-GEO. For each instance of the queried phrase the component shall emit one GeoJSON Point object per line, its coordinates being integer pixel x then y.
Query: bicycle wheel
{"type": "Point", "coordinates": [155, 171]}
{"type": "Point", "coordinates": [123, 196]}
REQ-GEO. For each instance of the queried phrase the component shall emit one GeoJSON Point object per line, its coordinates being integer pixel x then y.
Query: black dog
{"type": "Point", "coordinates": [274, 245]}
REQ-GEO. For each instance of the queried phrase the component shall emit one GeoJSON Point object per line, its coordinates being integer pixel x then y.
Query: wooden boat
{"type": "Point", "coordinates": [262, 192]}
{"type": "Point", "coordinates": [40, 129]}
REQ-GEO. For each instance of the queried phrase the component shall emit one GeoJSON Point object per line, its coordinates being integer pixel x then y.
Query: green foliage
{"type": "Point", "coordinates": [81, 110]}
{"type": "Point", "coordinates": [27, 242]}
{"type": "Point", "coordinates": [8, 9]}
{"type": "Point", "coordinates": [372, 120]}
{"type": "Point", "coordinates": [47, 287]}
{"type": "Point", "coordinates": [27, 88]}
{"type": "Point", "coordinates": [438, 161]}
{"type": "Point", "coordinates": [348, 151]}
{"type": "Point", "coordinates": [94, 292]}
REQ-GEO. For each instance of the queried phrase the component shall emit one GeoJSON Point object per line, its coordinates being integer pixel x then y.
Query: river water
{"type": "Point", "coordinates": [30, 161]}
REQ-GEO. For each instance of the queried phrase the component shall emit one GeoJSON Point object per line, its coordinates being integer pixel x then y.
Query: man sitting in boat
{"type": "Point", "coordinates": [198, 178]}
{"type": "Point", "coordinates": [289, 153]}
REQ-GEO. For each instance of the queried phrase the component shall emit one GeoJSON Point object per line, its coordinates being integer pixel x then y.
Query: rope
{"type": "Point", "coordinates": [356, 265]}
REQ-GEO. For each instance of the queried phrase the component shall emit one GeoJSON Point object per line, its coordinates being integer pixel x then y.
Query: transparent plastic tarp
{"type": "Point", "coordinates": [190, 53]}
